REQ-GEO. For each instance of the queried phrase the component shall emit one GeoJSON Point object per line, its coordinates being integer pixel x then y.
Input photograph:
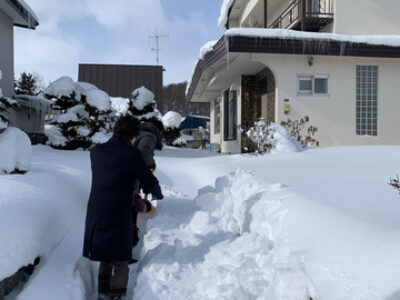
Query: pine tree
{"type": "Point", "coordinates": [143, 105]}
{"type": "Point", "coordinates": [171, 121]}
{"type": "Point", "coordinates": [26, 85]}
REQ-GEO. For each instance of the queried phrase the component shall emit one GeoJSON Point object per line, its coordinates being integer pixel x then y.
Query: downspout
{"type": "Point", "coordinates": [265, 13]}
{"type": "Point", "coordinates": [303, 15]}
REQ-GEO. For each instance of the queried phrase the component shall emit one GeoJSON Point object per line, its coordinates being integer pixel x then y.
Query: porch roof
{"type": "Point", "coordinates": [293, 42]}
{"type": "Point", "coordinates": [20, 13]}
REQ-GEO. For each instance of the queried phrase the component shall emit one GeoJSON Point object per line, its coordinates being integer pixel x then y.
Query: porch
{"type": "Point", "coordinates": [305, 15]}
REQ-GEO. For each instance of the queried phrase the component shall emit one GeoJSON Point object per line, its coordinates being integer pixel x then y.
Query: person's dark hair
{"type": "Point", "coordinates": [126, 128]}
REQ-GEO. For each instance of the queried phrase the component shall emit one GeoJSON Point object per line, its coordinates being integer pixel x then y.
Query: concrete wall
{"type": "Point", "coordinates": [6, 55]}
{"type": "Point", "coordinates": [334, 115]}
{"type": "Point", "coordinates": [366, 17]}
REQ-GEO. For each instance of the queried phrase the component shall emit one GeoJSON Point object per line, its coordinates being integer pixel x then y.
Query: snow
{"type": "Point", "coordinates": [119, 105]}
{"type": "Point", "coordinates": [84, 87]}
{"type": "Point", "coordinates": [54, 135]}
{"type": "Point", "coordinates": [101, 137]}
{"type": "Point", "coordinates": [142, 97]}
{"type": "Point", "coordinates": [172, 119]}
{"type": "Point", "coordinates": [67, 117]}
{"type": "Point", "coordinates": [98, 99]}
{"type": "Point", "coordinates": [320, 223]}
{"type": "Point", "coordinates": [179, 142]}
{"type": "Point", "coordinates": [223, 18]}
{"type": "Point", "coordinates": [385, 40]}
{"type": "Point", "coordinates": [207, 48]}
{"type": "Point", "coordinates": [15, 151]}
{"type": "Point", "coordinates": [62, 87]}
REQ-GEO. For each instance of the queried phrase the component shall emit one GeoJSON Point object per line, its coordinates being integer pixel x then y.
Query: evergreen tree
{"type": "Point", "coordinates": [143, 106]}
{"type": "Point", "coordinates": [26, 85]}
{"type": "Point", "coordinates": [172, 121]}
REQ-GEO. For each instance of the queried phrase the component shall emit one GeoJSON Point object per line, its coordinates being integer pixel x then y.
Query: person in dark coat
{"type": "Point", "coordinates": [148, 140]}
{"type": "Point", "coordinates": [116, 166]}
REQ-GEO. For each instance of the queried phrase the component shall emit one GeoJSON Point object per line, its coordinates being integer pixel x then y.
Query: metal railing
{"type": "Point", "coordinates": [293, 15]}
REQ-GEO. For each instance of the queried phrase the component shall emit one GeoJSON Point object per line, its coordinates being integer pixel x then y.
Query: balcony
{"type": "Point", "coordinates": [305, 15]}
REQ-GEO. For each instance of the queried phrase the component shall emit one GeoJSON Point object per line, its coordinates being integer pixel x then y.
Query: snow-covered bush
{"type": "Point", "coordinates": [172, 122]}
{"type": "Point", "coordinates": [296, 129]}
{"type": "Point", "coordinates": [143, 105]}
{"type": "Point", "coordinates": [84, 111]}
{"type": "Point", "coordinates": [5, 105]}
{"type": "Point", "coordinates": [179, 142]}
{"type": "Point", "coordinates": [272, 138]}
{"type": "Point", "coordinates": [15, 151]}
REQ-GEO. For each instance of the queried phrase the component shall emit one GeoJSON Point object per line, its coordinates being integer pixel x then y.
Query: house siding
{"type": "Point", "coordinates": [335, 114]}
{"type": "Point", "coordinates": [6, 54]}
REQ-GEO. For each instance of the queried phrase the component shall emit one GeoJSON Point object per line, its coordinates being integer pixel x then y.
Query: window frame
{"type": "Point", "coordinates": [312, 78]}
{"type": "Point", "coordinates": [230, 95]}
{"type": "Point", "coordinates": [217, 116]}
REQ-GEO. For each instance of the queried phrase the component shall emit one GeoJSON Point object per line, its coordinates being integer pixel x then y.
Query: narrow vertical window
{"type": "Point", "coordinates": [217, 116]}
{"type": "Point", "coordinates": [367, 100]}
{"type": "Point", "coordinates": [230, 115]}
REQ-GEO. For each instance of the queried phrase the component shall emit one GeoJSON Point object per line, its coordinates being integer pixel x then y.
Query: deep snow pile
{"type": "Point", "coordinates": [207, 48]}
{"type": "Point", "coordinates": [15, 151]}
{"type": "Point", "coordinates": [39, 208]}
{"type": "Point", "coordinates": [225, 248]}
{"type": "Point", "coordinates": [172, 119]}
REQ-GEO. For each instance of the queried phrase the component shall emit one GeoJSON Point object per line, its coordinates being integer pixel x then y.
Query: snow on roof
{"type": "Point", "coordinates": [142, 97]}
{"type": "Point", "coordinates": [98, 99]}
{"type": "Point", "coordinates": [385, 40]}
{"type": "Point", "coordinates": [172, 119]}
{"type": "Point", "coordinates": [223, 18]}
{"type": "Point", "coordinates": [207, 48]}
{"type": "Point", "coordinates": [204, 50]}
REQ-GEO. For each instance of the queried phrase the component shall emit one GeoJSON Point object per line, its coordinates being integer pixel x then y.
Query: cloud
{"type": "Point", "coordinates": [105, 31]}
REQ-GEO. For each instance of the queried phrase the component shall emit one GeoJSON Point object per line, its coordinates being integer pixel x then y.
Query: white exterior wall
{"type": "Point", "coordinates": [368, 17]}
{"type": "Point", "coordinates": [335, 115]}
{"type": "Point", "coordinates": [6, 54]}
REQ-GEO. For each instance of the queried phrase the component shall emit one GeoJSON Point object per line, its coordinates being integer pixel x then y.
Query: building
{"type": "Point", "coordinates": [339, 64]}
{"type": "Point", "coordinates": [121, 80]}
{"type": "Point", "coordinates": [12, 13]}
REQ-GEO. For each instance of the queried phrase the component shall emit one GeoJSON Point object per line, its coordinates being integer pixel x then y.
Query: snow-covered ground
{"type": "Point", "coordinates": [321, 223]}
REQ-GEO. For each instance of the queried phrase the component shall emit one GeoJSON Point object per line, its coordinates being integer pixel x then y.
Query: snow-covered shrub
{"type": "Point", "coordinates": [296, 129]}
{"type": "Point", "coordinates": [395, 183]}
{"type": "Point", "coordinates": [179, 142]}
{"type": "Point", "coordinates": [272, 138]}
{"type": "Point", "coordinates": [84, 111]}
{"type": "Point", "coordinates": [172, 122]}
{"type": "Point", "coordinates": [15, 151]}
{"type": "Point", "coordinates": [143, 105]}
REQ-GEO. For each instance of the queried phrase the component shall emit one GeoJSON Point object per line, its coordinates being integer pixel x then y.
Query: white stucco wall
{"type": "Point", "coordinates": [366, 17]}
{"type": "Point", "coordinates": [334, 115]}
{"type": "Point", "coordinates": [6, 54]}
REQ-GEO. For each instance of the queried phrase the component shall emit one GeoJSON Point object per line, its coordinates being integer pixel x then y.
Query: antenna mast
{"type": "Point", "coordinates": [157, 49]}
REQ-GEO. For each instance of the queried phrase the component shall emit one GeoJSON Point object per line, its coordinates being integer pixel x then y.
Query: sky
{"type": "Point", "coordinates": [115, 32]}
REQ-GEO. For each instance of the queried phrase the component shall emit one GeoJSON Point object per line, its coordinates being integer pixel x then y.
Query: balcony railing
{"type": "Point", "coordinates": [308, 15]}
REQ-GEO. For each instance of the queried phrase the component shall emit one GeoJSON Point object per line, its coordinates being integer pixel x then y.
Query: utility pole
{"type": "Point", "coordinates": [157, 49]}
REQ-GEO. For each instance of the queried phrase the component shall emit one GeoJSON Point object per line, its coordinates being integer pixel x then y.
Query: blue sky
{"type": "Point", "coordinates": [105, 31]}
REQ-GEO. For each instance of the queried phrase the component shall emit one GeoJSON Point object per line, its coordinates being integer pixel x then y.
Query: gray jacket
{"type": "Point", "coordinates": [147, 141]}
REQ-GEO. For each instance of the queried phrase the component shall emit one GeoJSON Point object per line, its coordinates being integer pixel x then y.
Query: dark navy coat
{"type": "Point", "coordinates": [108, 232]}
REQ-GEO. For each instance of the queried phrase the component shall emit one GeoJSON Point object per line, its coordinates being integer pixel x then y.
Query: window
{"type": "Point", "coordinates": [230, 115]}
{"type": "Point", "coordinates": [367, 100]}
{"type": "Point", "coordinates": [313, 85]}
{"type": "Point", "coordinates": [217, 116]}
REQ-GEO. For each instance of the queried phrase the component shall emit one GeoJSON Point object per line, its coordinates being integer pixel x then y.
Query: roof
{"type": "Point", "coordinates": [281, 41]}
{"type": "Point", "coordinates": [225, 12]}
{"type": "Point", "coordinates": [20, 13]}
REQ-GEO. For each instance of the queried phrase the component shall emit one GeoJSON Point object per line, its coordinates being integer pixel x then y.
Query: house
{"type": "Point", "coordinates": [336, 61]}
{"type": "Point", "coordinates": [12, 13]}
{"type": "Point", "coordinates": [121, 80]}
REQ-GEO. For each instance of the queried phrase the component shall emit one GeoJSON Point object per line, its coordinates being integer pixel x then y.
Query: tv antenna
{"type": "Point", "coordinates": [157, 49]}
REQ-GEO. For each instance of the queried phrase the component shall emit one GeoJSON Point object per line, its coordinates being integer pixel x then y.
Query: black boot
{"type": "Point", "coordinates": [103, 289]}
{"type": "Point", "coordinates": [119, 294]}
